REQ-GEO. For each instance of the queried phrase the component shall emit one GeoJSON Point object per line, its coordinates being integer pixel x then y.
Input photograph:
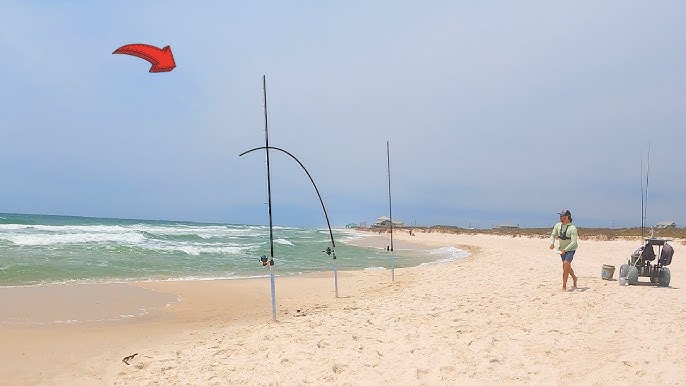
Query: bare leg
{"type": "Point", "coordinates": [571, 272]}
{"type": "Point", "coordinates": [566, 272]}
{"type": "Point", "coordinates": [565, 276]}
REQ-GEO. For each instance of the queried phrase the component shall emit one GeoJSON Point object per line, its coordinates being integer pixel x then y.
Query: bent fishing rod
{"type": "Point", "coordinates": [328, 251]}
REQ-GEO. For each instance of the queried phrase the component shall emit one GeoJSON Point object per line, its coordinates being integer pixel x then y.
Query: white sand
{"type": "Point", "coordinates": [497, 317]}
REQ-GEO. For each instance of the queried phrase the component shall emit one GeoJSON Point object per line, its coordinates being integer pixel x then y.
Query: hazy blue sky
{"type": "Point", "coordinates": [496, 111]}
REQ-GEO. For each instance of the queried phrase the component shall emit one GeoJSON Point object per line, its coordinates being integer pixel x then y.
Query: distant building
{"type": "Point", "coordinates": [665, 224]}
{"type": "Point", "coordinates": [385, 222]}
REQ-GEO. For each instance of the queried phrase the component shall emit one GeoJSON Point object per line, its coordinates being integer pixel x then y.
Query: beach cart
{"type": "Point", "coordinates": [642, 263]}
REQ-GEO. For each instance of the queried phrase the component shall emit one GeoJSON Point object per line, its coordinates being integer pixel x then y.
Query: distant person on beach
{"type": "Point", "coordinates": [566, 232]}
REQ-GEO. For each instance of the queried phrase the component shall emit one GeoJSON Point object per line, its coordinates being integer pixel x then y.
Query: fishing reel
{"type": "Point", "coordinates": [265, 261]}
{"type": "Point", "coordinates": [330, 251]}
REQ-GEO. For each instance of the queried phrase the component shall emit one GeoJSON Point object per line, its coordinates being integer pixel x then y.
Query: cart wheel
{"type": "Point", "coordinates": [632, 275]}
{"type": "Point", "coordinates": [624, 270]}
{"type": "Point", "coordinates": [663, 279]}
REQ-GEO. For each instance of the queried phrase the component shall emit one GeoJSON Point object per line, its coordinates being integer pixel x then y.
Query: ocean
{"type": "Point", "coordinates": [49, 250]}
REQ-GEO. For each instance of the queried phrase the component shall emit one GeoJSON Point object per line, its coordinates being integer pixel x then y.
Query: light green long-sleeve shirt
{"type": "Point", "coordinates": [569, 230]}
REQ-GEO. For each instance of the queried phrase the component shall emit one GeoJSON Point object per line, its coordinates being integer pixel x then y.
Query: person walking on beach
{"type": "Point", "coordinates": [566, 232]}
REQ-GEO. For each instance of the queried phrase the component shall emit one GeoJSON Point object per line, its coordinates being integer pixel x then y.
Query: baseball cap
{"type": "Point", "coordinates": [565, 212]}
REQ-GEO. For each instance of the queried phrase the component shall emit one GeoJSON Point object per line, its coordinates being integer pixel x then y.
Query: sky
{"type": "Point", "coordinates": [496, 112]}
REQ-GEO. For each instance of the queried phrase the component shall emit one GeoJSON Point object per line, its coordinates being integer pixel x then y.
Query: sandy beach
{"type": "Point", "coordinates": [495, 317]}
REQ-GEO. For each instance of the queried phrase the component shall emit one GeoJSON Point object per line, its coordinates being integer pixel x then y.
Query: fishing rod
{"type": "Point", "coordinates": [647, 184]}
{"type": "Point", "coordinates": [390, 207]}
{"type": "Point", "coordinates": [329, 250]}
{"type": "Point", "coordinates": [644, 193]}
{"type": "Point", "coordinates": [269, 204]}
{"type": "Point", "coordinates": [269, 183]}
{"type": "Point", "coordinates": [643, 213]}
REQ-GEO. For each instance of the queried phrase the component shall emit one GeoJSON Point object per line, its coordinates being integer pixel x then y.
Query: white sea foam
{"type": "Point", "coordinates": [195, 250]}
{"type": "Point", "coordinates": [202, 231]}
{"type": "Point", "coordinates": [353, 237]}
{"type": "Point", "coordinates": [66, 228]}
{"type": "Point", "coordinates": [228, 276]}
{"type": "Point", "coordinates": [446, 254]}
{"type": "Point", "coordinates": [349, 234]}
{"type": "Point", "coordinates": [283, 242]}
{"type": "Point", "coordinates": [72, 238]}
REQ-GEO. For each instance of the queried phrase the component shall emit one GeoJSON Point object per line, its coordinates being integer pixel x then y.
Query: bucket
{"type": "Point", "coordinates": [607, 272]}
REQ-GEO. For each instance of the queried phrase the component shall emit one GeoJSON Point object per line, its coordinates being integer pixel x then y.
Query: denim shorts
{"type": "Point", "coordinates": [568, 256]}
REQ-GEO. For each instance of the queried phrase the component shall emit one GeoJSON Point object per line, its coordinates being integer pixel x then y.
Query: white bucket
{"type": "Point", "coordinates": [607, 272]}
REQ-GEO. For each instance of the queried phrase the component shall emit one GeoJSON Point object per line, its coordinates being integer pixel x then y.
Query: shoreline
{"type": "Point", "coordinates": [495, 317]}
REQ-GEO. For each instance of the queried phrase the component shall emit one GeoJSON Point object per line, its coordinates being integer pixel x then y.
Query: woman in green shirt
{"type": "Point", "coordinates": [566, 232]}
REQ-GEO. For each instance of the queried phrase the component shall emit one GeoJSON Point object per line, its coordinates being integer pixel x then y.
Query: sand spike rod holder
{"type": "Point", "coordinates": [390, 208]}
